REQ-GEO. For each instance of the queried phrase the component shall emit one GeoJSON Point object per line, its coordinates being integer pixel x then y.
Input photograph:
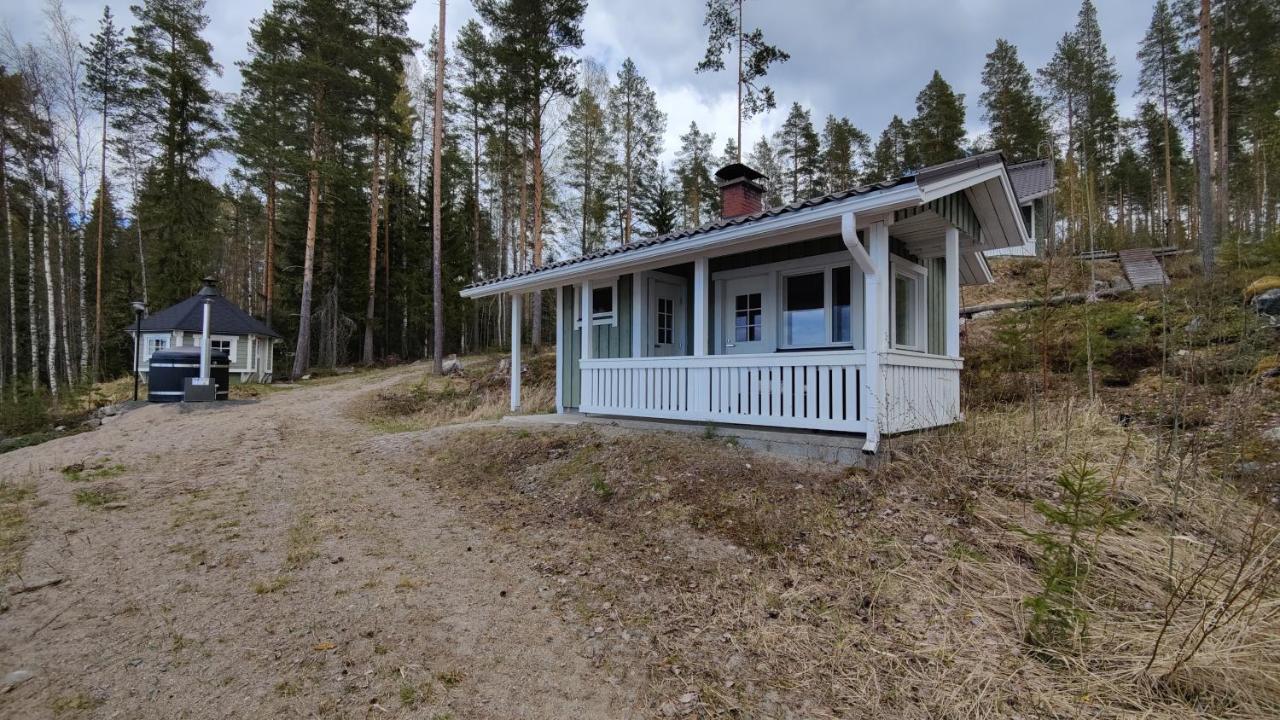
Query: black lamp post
{"type": "Point", "coordinates": [138, 310]}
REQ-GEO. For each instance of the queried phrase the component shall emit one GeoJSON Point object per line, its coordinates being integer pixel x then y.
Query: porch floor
{"type": "Point", "coordinates": [841, 449]}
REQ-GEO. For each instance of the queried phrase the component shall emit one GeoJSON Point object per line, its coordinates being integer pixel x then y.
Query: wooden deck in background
{"type": "Point", "coordinates": [1142, 268]}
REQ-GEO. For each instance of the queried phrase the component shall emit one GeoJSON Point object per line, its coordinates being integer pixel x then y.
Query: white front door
{"type": "Point", "coordinates": [745, 316]}
{"type": "Point", "coordinates": [666, 316]}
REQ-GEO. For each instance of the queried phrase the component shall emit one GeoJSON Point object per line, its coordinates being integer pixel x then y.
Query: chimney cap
{"type": "Point", "coordinates": [210, 286]}
{"type": "Point", "coordinates": [737, 171]}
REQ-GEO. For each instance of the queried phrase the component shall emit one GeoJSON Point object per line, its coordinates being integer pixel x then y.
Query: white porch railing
{"type": "Point", "coordinates": [920, 391]}
{"type": "Point", "coordinates": [813, 390]}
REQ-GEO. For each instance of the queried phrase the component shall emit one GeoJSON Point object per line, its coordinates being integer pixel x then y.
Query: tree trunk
{"type": "Point", "coordinates": [1224, 189]}
{"type": "Point", "coordinates": [1206, 141]}
{"type": "Point", "coordinates": [32, 327]}
{"type": "Point", "coordinates": [1170, 211]}
{"type": "Point", "coordinates": [374, 202]}
{"type": "Point", "coordinates": [97, 260]}
{"type": "Point", "coordinates": [386, 249]}
{"type": "Point", "coordinates": [13, 300]}
{"type": "Point", "coordinates": [51, 342]}
{"type": "Point", "coordinates": [269, 264]}
{"type": "Point", "coordinates": [437, 242]}
{"type": "Point", "coordinates": [302, 352]}
{"type": "Point", "coordinates": [536, 326]}
{"type": "Point", "coordinates": [63, 313]}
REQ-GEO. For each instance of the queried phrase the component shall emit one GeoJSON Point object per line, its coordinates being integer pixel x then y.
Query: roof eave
{"type": "Point", "coordinates": [907, 194]}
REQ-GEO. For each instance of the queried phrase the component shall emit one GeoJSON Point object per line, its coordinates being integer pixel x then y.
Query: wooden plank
{"type": "Point", "coordinates": [1141, 268]}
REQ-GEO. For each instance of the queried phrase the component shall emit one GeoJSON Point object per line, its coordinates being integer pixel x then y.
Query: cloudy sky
{"type": "Point", "coordinates": [865, 59]}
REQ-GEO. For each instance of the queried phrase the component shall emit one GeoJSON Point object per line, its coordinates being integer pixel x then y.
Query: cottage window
{"type": "Point", "coordinates": [908, 305]}
{"type": "Point", "coordinates": [221, 345]}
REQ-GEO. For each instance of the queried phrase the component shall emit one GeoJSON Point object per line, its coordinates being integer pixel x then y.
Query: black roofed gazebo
{"type": "Point", "coordinates": [245, 339]}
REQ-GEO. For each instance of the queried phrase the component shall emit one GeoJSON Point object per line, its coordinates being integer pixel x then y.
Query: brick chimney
{"type": "Point", "coordinates": [740, 194]}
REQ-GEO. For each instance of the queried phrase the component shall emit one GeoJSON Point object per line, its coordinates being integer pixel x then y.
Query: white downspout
{"type": "Point", "coordinates": [871, 320]}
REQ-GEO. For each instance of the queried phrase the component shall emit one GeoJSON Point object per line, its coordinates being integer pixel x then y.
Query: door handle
{"type": "Point", "coordinates": [730, 345]}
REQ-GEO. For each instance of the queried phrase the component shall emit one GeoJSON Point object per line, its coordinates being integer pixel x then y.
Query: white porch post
{"type": "Point", "coordinates": [515, 351]}
{"type": "Point", "coordinates": [700, 278]}
{"type": "Point", "coordinates": [952, 303]}
{"type": "Point", "coordinates": [639, 318]}
{"type": "Point", "coordinates": [586, 376]}
{"type": "Point", "coordinates": [560, 349]}
{"type": "Point", "coordinates": [876, 301]}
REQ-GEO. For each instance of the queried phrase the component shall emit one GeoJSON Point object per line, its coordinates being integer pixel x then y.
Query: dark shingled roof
{"type": "Point", "coordinates": [928, 174]}
{"type": "Point", "coordinates": [224, 317]}
{"type": "Point", "coordinates": [1032, 179]}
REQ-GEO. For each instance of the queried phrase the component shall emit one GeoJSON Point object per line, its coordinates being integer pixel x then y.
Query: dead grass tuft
{"type": "Point", "coordinates": [13, 524]}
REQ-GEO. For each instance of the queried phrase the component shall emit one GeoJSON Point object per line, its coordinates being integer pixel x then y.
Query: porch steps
{"type": "Point", "coordinates": [1142, 268]}
{"type": "Point", "coordinates": [838, 449]}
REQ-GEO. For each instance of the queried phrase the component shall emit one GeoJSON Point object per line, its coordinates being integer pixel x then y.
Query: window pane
{"type": "Point", "coordinates": [666, 320]}
{"type": "Point", "coordinates": [904, 300]}
{"type": "Point", "coordinates": [841, 310]}
{"type": "Point", "coordinates": [805, 314]}
{"type": "Point", "coordinates": [602, 301]}
{"type": "Point", "coordinates": [747, 318]}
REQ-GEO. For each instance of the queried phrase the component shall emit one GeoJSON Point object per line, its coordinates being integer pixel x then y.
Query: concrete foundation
{"type": "Point", "coordinates": [839, 449]}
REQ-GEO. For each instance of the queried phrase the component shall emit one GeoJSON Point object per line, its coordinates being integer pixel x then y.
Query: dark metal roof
{"type": "Point", "coordinates": [928, 174]}
{"type": "Point", "coordinates": [1031, 179]}
{"type": "Point", "coordinates": [224, 317]}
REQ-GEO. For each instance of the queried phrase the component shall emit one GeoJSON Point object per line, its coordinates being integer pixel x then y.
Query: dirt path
{"type": "Point", "coordinates": [265, 562]}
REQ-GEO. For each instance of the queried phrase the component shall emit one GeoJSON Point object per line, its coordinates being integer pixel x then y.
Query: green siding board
{"type": "Point", "coordinates": [607, 341]}
{"type": "Point", "coordinates": [935, 307]}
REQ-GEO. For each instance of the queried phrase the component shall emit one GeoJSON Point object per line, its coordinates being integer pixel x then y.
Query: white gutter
{"type": "Point", "coordinates": [901, 196]}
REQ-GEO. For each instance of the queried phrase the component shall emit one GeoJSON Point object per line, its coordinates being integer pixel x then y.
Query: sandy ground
{"type": "Point", "coordinates": [265, 563]}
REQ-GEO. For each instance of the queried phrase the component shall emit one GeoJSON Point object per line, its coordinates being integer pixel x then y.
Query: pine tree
{"type": "Point", "coordinates": [532, 45]}
{"type": "Point", "coordinates": [1099, 121]}
{"type": "Point", "coordinates": [693, 168]}
{"type": "Point", "coordinates": [1158, 55]}
{"type": "Point", "coordinates": [638, 126]}
{"type": "Point", "coordinates": [658, 202]}
{"type": "Point", "coordinates": [107, 66]}
{"type": "Point", "coordinates": [174, 107]}
{"type": "Point", "coordinates": [892, 155]}
{"type": "Point", "coordinates": [386, 39]}
{"type": "Point", "coordinates": [725, 33]}
{"type": "Point", "coordinates": [1010, 106]}
{"type": "Point", "coordinates": [589, 157]}
{"type": "Point", "coordinates": [798, 154]}
{"type": "Point", "coordinates": [937, 131]}
{"type": "Point", "coordinates": [844, 150]}
{"type": "Point", "coordinates": [765, 161]}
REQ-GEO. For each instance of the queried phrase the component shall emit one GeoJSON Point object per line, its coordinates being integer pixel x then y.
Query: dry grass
{"type": "Point", "coordinates": [482, 392]}
{"type": "Point", "coordinates": [760, 585]}
{"type": "Point", "coordinates": [13, 524]}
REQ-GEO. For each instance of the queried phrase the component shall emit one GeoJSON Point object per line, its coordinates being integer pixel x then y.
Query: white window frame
{"type": "Point", "coordinates": [920, 318]}
{"type": "Point", "coordinates": [234, 340]}
{"type": "Point", "coordinates": [827, 308]}
{"type": "Point", "coordinates": [598, 318]}
{"type": "Point", "coordinates": [778, 272]}
{"type": "Point", "coordinates": [149, 338]}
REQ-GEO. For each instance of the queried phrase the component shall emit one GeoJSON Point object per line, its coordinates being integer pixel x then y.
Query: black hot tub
{"type": "Point", "coordinates": [168, 368]}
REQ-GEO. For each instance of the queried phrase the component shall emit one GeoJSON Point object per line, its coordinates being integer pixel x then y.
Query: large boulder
{"type": "Point", "coordinates": [1267, 303]}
